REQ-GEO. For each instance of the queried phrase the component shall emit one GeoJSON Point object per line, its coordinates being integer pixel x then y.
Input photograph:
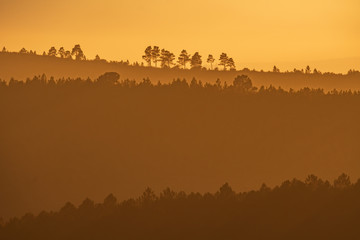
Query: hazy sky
{"type": "Point", "coordinates": [256, 33]}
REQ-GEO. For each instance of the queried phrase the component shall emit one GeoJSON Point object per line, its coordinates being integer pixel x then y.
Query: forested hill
{"type": "Point", "coordinates": [67, 140]}
{"type": "Point", "coordinates": [313, 209]}
{"type": "Point", "coordinates": [22, 66]}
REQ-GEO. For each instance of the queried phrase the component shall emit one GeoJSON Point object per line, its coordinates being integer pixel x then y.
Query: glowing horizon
{"type": "Point", "coordinates": [257, 34]}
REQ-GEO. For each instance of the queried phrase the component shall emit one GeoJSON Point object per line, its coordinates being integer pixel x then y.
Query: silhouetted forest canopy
{"type": "Point", "coordinates": [71, 138]}
{"type": "Point", "coordinates": [163, 65]}
{"type": "Point", "coordinates": [242, 84]}
{"type": "Point", "coordinates": [310, 209]}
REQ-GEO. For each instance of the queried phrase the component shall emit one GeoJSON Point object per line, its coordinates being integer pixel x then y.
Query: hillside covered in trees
{"type": "Point", "coordinates": [164, 66]}
{"type": "Point", "coordinates": [68, 139]}
{"type": "Point", "coordinates": [310, 209]}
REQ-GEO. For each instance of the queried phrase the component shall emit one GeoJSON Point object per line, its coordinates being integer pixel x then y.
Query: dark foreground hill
{"type": "Point", "coordinates": [314, 209]}
{"type": "Point", "coordinates": [21, 66]}
{"type": "Point", "coordinates": [66, 140]}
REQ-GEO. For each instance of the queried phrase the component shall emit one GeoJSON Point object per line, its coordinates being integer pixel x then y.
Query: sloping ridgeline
{"type": "Point", "coordinates": [22, 66]}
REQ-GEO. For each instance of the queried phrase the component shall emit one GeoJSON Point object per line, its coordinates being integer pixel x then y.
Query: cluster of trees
{"type": "Point", "coordinates": [310, 209]}
{"type": "Point", "coordinates": [167, 58]}
{"type": "Point", "coordinates": [307, 70]}
{"type": "Point", "coordinates": [76, 52]}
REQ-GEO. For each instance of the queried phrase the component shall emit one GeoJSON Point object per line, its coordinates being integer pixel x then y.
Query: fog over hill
{"type": "Point", "coordinates": [23, 66]}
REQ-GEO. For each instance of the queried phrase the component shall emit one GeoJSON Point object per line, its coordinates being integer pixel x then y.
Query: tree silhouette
{"type": "Point", "coordinates": [314, 182]}
{"type": "Point", "coordinates": [342, 181]}
{"type": "Point", "coordinates": [307, 69]}
{"type": "Point", "coordinates": [275, 69]}
{"type": "Point", "coordinates": [108, 78]}
{"type": "Point", "coordinates": [68, 209]}
{"type": "Point", "coordinates": [196, 61]}
{"type": "Point", "coordinates": [78, 53]}
{"type": "Point", "coordinates": [4, 49]}
{"type": "Point", "coordinates": [225, 192]}
{"type": "Point", "coordinates": [210, 60]}
{"type": "Point", "coordinates": [168, 194]}
{"type": "Point", "coordinates": [184, 58]}
{"type": "Point", "coordinates": [110, 201]}
{"type": "Point", "coordinates": [148, 196]}
{"type": "Point", "coordinates": [166, 58]}
{"type": "Point", "coordinates": [242, 82]}
{"type": "Point", "coordinates": [223, 60]}
{"type": "Point", "coordinates": [23, 51]}
{"type": "Point", "coordinates": [68, 54]}
{"type": "Point", "coordinates": [87, 205]}
{"type": "Point", "coordinates": [62, 52]}
{"type": "Point", "coordinates": [155, 55]}
{"type": "Point", "coordinates": [231, 64]}
{"type": "Point", "coordinates": [170, 58]}
{"type": "Point", "coordinates": [147, 57]}
{"type": "Point", "coordinates": [163, 58]}
{"type": "Point", "coordinates": [52, 52]}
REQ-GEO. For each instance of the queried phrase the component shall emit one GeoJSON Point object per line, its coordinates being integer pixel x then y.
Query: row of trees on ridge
{"type": "Point", "coordinates": [167, 58]}
{"type": "Point", "coordinates": [76, 52]}
{"type": "Point", "coordinates": [154, 55]}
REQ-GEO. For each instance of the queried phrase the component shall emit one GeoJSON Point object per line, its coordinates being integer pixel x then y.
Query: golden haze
{"type": "Point", "coordinates": [257, 34]}
{"type": "Point", "coordinates": [75, 128]}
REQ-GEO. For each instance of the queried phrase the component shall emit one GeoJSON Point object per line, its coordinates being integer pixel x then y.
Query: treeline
{"type": "Point", "coordinates": [167, 59]}
{"type": "Point", "coordinates": [152, 55]}
{"type": "Point", "coordinates": [76, 53]}
{"type": "Point", "coordinates": [310, 209]}
{"type": "Point", "coordinates": [242, 84]}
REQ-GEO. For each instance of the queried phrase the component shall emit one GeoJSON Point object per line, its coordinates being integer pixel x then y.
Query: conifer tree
{"type": "Point", "coordinates": [61, 52]}
{"type": "Point", "coordinates": [155, 55]}
{"type": "Point", "coordinates": [210, 60]}
{"type": "Point", "coordinates": [196, 61]}
{"type": "Point", "coordinates": [147, 56]}
{"type": "Point", "coordinates": [52, 52]}
{"type": "Point", "coordinates": [184, 58]}
{"type": "Point", "coordinates": [223, 60]}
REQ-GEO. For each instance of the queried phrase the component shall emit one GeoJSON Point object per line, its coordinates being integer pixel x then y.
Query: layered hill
{"type": "Point", "coordinates": [22, 66]}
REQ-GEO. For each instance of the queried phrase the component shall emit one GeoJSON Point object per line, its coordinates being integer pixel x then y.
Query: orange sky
{"type": "Point", "coordinates": [256, 33]}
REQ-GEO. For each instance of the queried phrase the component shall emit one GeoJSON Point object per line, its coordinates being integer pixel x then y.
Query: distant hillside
{"type": "Point", "coordinates": [22, 66]}
{"type": "Point", "coordinates": [69, 140]}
